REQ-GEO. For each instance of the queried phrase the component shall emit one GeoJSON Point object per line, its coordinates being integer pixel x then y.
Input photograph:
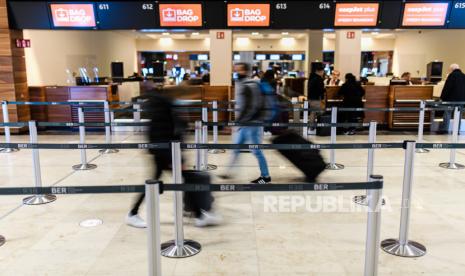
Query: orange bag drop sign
{"type": "Point", "coordinates": [181, 15]}
{"type": "Point", "coordinates": [356, 14]}
{"type": "Point", "coordinates": [425, 14]}
{"type": "Point", "coordinates": [73, 15]}
{"type": "Point", "coordinates": [248, 15]}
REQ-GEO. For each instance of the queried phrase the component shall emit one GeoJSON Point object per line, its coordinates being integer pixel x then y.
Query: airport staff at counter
{"type": "Point", "coordinates": [453, 91]}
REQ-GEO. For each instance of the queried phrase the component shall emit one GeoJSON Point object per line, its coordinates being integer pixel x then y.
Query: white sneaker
{"type": "Point", "coordinates": [135, 221]}
{"type": "Point", "coordinates": [208, 219]}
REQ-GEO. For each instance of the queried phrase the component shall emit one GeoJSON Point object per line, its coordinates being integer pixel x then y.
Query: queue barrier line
{"type": "Point", "coordinates": [116, 189]}
{"type": "Point", "coordinates": [207, 146]}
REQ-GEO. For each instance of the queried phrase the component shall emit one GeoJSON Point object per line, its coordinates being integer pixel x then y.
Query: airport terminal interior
{"type": "Point", "coordinates": [232, 138]}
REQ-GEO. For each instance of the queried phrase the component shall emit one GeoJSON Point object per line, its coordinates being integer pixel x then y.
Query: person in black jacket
{"type": "Point", "coordinates": [316, 91]}
{"type": "Point", "coordinates": [166, 126]}
{"type": "Point", "coordinates": [453, 91]}
{"type": "Point", "coordinates": [352, 93]}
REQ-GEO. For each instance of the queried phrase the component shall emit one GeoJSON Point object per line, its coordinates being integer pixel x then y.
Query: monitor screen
{"type": "Point", "coordinates": [457, 15]}
{"type": "Point", "coordinates": [202, 57]}
{"type": "Point", "coordinates": [28, 15]}
{"type": "Point", "coordinates": [180, 15]}
{"type": "Point", "coordinates": [274, 57]}
{"type": "Point", "coordinates": [126, 15]}
{"type": "Point", "coordinates": [356, 14]}
{"type": "Point", "coordinates": [73, 15]}
{"type": "Point", "coordinates": [260, 57]}
{"type": "Point", "coordinates": [424, 14]}
{"type": "Point", "coordinates": [237, 57]}
{"type": "Point", "coordinates": [248, 15]}
{"type": "Point", "coordinates": [297, 57]}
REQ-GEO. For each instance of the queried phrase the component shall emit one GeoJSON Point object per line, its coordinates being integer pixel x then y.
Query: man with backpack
{"type": "Point", "coordinates": [250, 104]}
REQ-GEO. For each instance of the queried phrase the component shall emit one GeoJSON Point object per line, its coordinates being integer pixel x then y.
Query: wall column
{"type": "Point", "coordinates": [314, 50]}
{"type": "Point", "coordinates": [13, 81]}
{"type": "Point", "coordinates": [220, 57]}
{"type": "Point", "coordinates": [348, 51]}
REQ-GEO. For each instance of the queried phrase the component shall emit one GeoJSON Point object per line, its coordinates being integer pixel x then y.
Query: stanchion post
{"type": "Point", "coordinates": [179, 247]}
{"type": "Point", "coordinates": [361, 199]}
{"type": "Point", "coordinates": [332, 158]}
{"type": "Point", "coordinates": [6, 119]}
{"type": "Point", "coordinates": [403, 246]}
{"type": "Point", "coordinates": [82, 140]}
{"type": "Point", "coordinates": [36, 199]}
{"type": "Point", "coordinates": [455, 136]}
{"type": "Point", "coordinates": [373, 229]}
{"type": "Point", "coordinates": [305, 120]}
{"type": "Point", "coordinates": [421, 126]}
{"type": "Point", "coordinates": [2, 240]}
{"type": "Point", "coordinates": [215, 128]}
{"type": "Point", "coordinates": [197, 137]}
{"type": "Point", "coordinates": [106, 107]}
{"type": "Point", "coordinates": [152, 190]}
{"type": "Point", "coordinates": [204, 159]}
{"type": "Point", "coordinates": [136, 115]}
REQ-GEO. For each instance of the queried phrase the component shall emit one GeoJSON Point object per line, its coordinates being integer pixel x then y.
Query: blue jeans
{"type": "Point", "coordinates": [252, 135]}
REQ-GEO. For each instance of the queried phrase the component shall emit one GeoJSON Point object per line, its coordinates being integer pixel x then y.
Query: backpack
{"type": "Point", "coordinates": [271, 107]}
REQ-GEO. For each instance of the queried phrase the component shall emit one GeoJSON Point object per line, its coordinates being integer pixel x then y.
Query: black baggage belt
{"type": "Point", "coordinates": [294, 146]}
{"type": "Point", "coordinates": [265, 124]}
{"type": "Point", "coordinates": [440, 145]}
{"type": "Point", "coordinates": [206, 146]}
{"type": "Point", "coordinates": [66, 190]}
{"type": "Point", "coordinates": [87, 146]}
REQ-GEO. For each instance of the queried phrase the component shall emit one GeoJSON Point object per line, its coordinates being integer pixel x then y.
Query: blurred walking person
{"type": "Point", "coordinates": [249, 105]}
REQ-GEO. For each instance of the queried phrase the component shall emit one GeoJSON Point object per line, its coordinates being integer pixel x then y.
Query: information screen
{"type": "Point", "coordinates": [73, 15]}
{"type": "Point", "coordinates": [248, 15]}
{"type": "Point", "coordinates": [302, 14]}
{"type": "Point", "coordinates": [356, 14]}
{"type": "Point", "coordinates": [180, 15]}
{"type": "Point", "coordinates": [28, 15]}
{"type": "Point", "coordinates": [424, 14]}
{"type": "Point", "coordinates": [126, 15]}
{"type": "Point", "coordinates": [457, 15]}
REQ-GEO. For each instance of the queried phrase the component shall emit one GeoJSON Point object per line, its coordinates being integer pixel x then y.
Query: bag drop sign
{"type": "Point", "coordinates": [248, 15]}
{"type": "Point", "coordinates": [180, 15]}
{"type": "Point", "coordinates": [73, 15]}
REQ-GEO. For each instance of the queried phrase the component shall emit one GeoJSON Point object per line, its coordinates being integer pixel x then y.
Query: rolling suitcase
{"type": "Point", "coordinates": [196, 201]}
{"type": "Point", "coordinates": [310, 162]}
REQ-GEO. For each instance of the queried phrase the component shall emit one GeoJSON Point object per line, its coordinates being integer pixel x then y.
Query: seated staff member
{"type": "Point", "coordinates": [406, 76]}
{"type": "Point", "coordinates": [334, 80]}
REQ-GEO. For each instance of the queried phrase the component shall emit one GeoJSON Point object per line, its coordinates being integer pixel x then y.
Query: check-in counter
{"type": "Point", "coordinates": [408, 96]}
{"type": "Point", "coordinates": [375, 97]}
{"type": "Point", "coordinates": [67, 113]}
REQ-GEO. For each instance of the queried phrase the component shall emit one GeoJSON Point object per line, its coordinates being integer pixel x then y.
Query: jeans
{"type": "Point", "coordinates": [254, 136]}
{"type": "Point", "coordinates": [313, 114]}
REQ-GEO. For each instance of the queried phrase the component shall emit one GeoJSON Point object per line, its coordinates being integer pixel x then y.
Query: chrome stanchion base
{"type": "Point", "coordinates": [2, 240]}
{"type": "Point", "coordinates": [210, 167]}
{"type": "Point", "coordinates": [9, 150]}
{"type": "Point", "coordinates": [334, 166]}
{"type": "Point", "coordinates": [452, 166]}
{"type": "Point", "coordinates": [39, 199]}
{"type": "Point", "coordinates": [216, 151]}
{"type": "Point", "coordinates": [190, 248]}
{"type": "Point", "coordinates": [362, 200]}
{"type": "Point", "coordinates": [422, 150]}
{"type": "Point", "coordinates": [411, 249]}
{"type": "Point", "coordinates": [108, 151]}
{"type": "Point", "coordinates": [84, 167]}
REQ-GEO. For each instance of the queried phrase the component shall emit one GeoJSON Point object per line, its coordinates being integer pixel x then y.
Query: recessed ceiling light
{"type": "Point", "coordinates": [165, 33]}
{"type": "Point", "coordinates": [196, 33]}
{"type": "Point", "coordinates": [255, 33]}
{"type": "Point", "coordinates": [375, 33]}
{"type": "Point", "coordinates": [285, 33]}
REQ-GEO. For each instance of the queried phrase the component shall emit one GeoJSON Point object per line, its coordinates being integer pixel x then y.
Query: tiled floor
{"type": "Point", "coordinates": [47, 239]}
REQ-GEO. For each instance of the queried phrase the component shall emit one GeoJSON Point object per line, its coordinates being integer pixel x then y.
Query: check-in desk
{"type": "Point", "coordinates": [408, 96]}
{"type": "Point", "coordinates": [68, 113]}
{"type": "Point", "coordinates": [375, 97]}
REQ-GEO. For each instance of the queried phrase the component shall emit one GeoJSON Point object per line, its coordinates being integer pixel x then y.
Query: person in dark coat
{"type": "Point", "coordinates": [352, 93]}
{"type": "Point", "coordinates": [453, 91]}
{"type": "Point", "coordinates": [315, 91]}
{"type": "Point", "coordinates": [166, 126]}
